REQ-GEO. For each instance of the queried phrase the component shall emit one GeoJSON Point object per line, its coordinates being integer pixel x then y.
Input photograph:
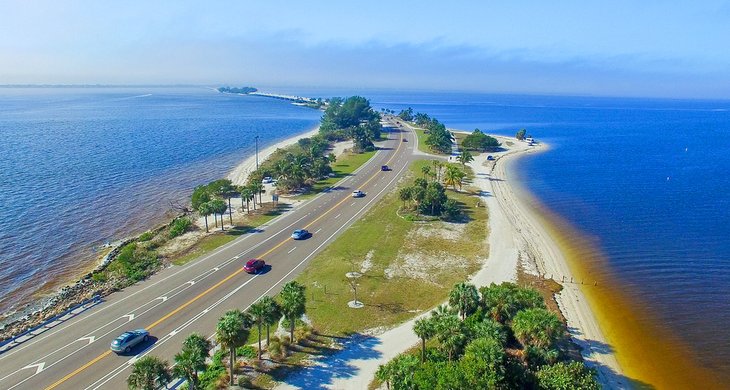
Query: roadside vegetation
{"type": "Point", "coordinates": [495, 337]}
{"type": "Point", "coordinates": [432, 134]}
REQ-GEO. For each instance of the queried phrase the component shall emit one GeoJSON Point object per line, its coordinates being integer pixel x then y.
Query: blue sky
{"type": "Point", "coordinates": [617, 48]}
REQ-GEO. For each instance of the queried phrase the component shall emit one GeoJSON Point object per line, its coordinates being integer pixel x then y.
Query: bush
{"type": "Point", "coordinates": [134, 263]}
{"type": "Point", "coordinates": [146, 236]}
{"type": "Point", "coordinates": [99, 277]}
{"type": "Point", "coordinates": [179, 226]}
{"type": "Point", "coordinates": [246, 351]}
{"type": "Point", "coordinates": [245, 382]}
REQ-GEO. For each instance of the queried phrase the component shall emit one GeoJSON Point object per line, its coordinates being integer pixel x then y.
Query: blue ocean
{"type": "Point", "coordinates": [80, 167]}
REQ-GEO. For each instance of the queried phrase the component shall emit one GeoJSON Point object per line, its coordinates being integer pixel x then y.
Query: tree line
{"type": "Point", "coordinates": [232, 332]}
{"type": "Point", "coordinates": [214, 199]}
{"type": "Point", "coordinates": [351, 118]}
{"type": "Point", "coordinates": [244, 90]}
{"type": "Point", "coordinates": [495, 337]}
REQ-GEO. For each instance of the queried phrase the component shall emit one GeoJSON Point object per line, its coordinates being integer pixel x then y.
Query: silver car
{"type": "Point", "coordinates": [127, 340]}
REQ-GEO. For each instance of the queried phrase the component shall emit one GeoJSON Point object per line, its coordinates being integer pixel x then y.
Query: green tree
{"type": "Point", "coordinates": [485, 328]}
{"type": "Point", "coordinates": [537, 327]}
{"type": "Point", "coordinates": [450, 332]}
{"type": "Point", "coordinates": [465, 158]}
{"type": "Point", "coordinates": [424, 328]}
{"type": "Point", "coordinates": [293, 303]}
{"type": "Point", "coordinates": [191, 359]}
{"type": "Point", "coordinates": [453, 176]}
{"type": "Point", "coordinates": [521, 134]}
{"type": "Point", "coordinates": [231, 332]}
{"type": "Point", "coordinates": [246, 196]}
{"type": "Point", "coordinates": [405, 195]}
{"type": "Point", "coordinates": [433, 199]}
{"type": "Point", "coordinates": [258, 313]}
{"type": "Point", "coordinates": [273, 313]}
{"type": "Point", "coordinates": [451, 210]}
{"type": "Point", "coordinates": [426, 170]}
{"type": "Point", "coordinates": [149, 373]}
{"type": "Point", "coordinates": [201, 195]}
{"type": "Point", "coordinates": [465, 298]}
{"type": "Point", "coordinates": [567, 376]}
{"type": "Point", "coordinates": [218, 206]}
{"type": "Point", "coordinates": [406, 115]}
{"type": "Point", "coordinates": [504, 300]}
{"type": "Point", "coordinates": [398, 373]}
{"type": "Point", "coordinates": [205, 210]}
{"type": "Point", "coordinates": [480, 142]}
{"type": "Point", "coordinates": [483, 365]}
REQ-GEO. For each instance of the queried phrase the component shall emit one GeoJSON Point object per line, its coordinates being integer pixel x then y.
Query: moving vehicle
{"type": "Point", "coordinates": [254, 266]}
{"type": "Point", "coordinates": [357, 194]}
{"type": "Point", "coordinates": [300, 234]}
{"type": "Point", "coordinates": [267, 180]}
{"type": "Point", "coordinates": [127, 340]}
{"type": "Point", "coordinates": [384, 168]}
{"type": "Point", "coordinates": [405, 140]}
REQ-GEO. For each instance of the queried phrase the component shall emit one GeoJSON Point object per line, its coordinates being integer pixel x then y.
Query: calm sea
{"type": "Point", "coordinates": [80, 167]}
{"type": "Point", "coordinates": [648, 179]}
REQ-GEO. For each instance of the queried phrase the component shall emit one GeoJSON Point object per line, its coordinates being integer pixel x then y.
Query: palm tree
{"type": "Point", "coordinates": [453, 176]}
{"type": "Point", "coordinates": [226, 191]}
{"type": "Point", "coordinates": [437, 165]}
{"type": "Point", "coordinates": [425, 329]}
{"type": "Point", "coordinates": [191, 359]}
{"type": "Point", "coordinates": [465, 158]}
{"type": "Point", "coordinates": [258, 188]}
{"type": "Point", "coordinates": [426, 170]}
{"type": "Point", "coordinates": [258, 314]}
{"type": "Point", "coordinates": [465, 298]}
{"type": "Point", "coordinates": [405, 194]}
{"type": "Point", "coordinates": [246, 196]}
{"type": "Point", "coordinates": [232, 332]}
{"type": "Point", "coordinates": [293, 303]}
{"type": "Point", "coordinates": [149, 373]}
{"type": "Point", "coordinates": [218, 206]}
{"type": "Point", "coordinates": [537, 327]}
{"type": "Point", "coordinates": [450, 332]}
{"type": "Point", "coordinates": [273, 313]}
{"type": "Point", "coordinates": [205, 210]}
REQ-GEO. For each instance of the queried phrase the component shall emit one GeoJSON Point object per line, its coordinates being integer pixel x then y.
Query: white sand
{"type": "Point", "coordinates": [240, 173]}
{"type": "Point", "coordinates": [515, 236]}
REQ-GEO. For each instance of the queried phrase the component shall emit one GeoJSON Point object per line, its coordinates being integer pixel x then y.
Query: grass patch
{"type": "Point", "coordinates": [214, 241]}
{"type": "Point", "coordinates": [346, 163]}
{"type": "Point", "coordinates": [390, 291]}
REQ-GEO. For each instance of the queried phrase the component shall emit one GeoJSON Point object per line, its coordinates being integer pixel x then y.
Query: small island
{"type": "Point", "coordinates": [243, 90]}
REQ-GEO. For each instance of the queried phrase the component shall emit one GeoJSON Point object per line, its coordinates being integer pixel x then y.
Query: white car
{"type": "Point", "coordinates": [357, 194]}
{"type": "Point", "coordinates": [267, 180]}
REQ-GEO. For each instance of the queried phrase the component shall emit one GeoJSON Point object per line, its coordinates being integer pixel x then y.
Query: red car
{"type": "Point", "coordinates": [254, 266]}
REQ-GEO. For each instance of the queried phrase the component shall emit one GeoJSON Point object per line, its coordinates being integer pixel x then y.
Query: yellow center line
{"type": "Point", "coordinates": [229, 277]}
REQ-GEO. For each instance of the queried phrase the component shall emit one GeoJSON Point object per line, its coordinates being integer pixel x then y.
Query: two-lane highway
{"type": "Point", "coordinates": [181, 300]}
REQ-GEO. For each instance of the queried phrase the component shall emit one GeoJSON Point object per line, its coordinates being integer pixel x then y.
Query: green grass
{"type": "Point", "coordinates": [215, 241]}
{"type": "Point", "coordinates": [421, 135]}
{"type": "Point", "coordinates": [346, 164]}
{"type": "Point", "coordinates": [388, 301]}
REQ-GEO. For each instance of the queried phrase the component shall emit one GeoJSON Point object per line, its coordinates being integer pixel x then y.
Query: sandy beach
{"type": "Point", "coordinates": [516, 238]}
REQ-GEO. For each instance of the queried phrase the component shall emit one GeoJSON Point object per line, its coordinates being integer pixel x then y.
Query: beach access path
{"type": "Point", "coordinates": [516, 237]}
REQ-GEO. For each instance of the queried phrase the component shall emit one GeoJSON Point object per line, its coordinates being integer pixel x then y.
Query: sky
{"type": "Point", "coordinates": [676, 49]}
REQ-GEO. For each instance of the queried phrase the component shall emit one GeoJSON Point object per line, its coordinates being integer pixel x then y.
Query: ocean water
{"type": "Point", "coordinates": [80, 167]}
{"type": "Point", "coordinates": [645, 179]}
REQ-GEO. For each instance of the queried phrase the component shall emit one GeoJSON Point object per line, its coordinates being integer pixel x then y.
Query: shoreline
{"type": "Point", "coordinates": [628, 350]}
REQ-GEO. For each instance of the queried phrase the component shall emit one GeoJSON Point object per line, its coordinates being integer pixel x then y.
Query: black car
{"type": "Point", "coordinates": [384, 168]}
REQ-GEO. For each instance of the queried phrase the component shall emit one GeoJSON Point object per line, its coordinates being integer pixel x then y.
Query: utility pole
{"type": "Point", "coordinates": [257, 151]}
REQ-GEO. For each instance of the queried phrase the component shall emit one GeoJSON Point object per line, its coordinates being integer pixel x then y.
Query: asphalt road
{"type": "Point", "coordinates": [74, 354]}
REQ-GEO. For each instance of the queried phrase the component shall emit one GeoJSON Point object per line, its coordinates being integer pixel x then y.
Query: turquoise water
{"type": "Point", "coordinates": [83, 166]}
{"type": "Point", "coordinates": [646, 179]}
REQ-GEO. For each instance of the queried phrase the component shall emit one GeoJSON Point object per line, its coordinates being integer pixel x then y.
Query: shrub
{"type": "Point", "coordinates": [246, 351]}
{"type": "Point", "coordinates": [146, 236]}
{"type": "Point", "coordinates": [99, 277]}
{"type": "Point", "coordinates": [179, 226]}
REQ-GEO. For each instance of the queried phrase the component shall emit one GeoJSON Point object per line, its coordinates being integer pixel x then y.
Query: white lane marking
{"type": "Point", "coordinates": [90, 338]}
{"type": "Point", "coordinates": [337, 216]}
{"type": "Point", "coordinates": [38, 367]}
{"type": "Point", "coordinates": [130, 316]}
{"type": "Point", "coordinates": [291, 250]}
{"type": "Point", "coordinates": [106, 378]}
{"type": "Point", "coordinates": [353, 203]}
{"type": "Point", "coordinates": [318, 230]}
{"type": "Point", "coordinates": [163, 298]}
